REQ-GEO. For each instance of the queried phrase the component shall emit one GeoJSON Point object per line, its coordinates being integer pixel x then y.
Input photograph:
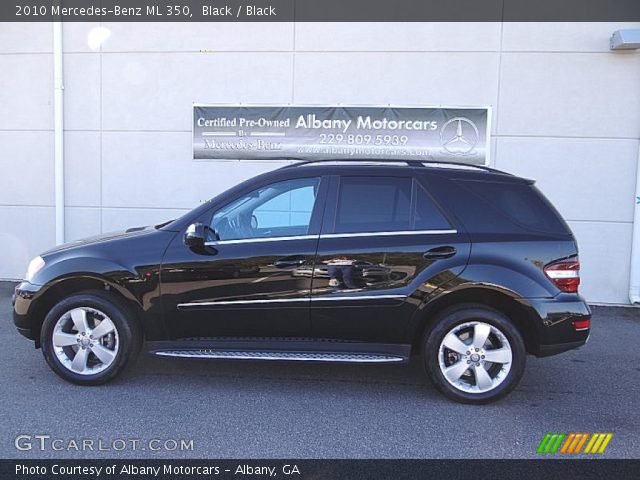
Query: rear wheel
{"type": "Point", "coordinates": [89, 338]}
{"type": "Point", "coordinates": [474, 354]}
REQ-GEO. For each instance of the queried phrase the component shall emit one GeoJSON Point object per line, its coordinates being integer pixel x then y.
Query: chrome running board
{"type": "Point", "coordinates": [286, 356]}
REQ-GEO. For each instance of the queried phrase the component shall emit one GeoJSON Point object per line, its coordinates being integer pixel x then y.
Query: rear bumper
{"type": "Point", "coordinates": [556, 330]}
{"type": "Point", "coordinates": [22, 302]}
{"type": "Point", "coordinates": [548, 350]}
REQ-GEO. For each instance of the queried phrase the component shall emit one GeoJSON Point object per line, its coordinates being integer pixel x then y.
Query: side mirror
{"type": "Point", "coordinates": [194, 237]}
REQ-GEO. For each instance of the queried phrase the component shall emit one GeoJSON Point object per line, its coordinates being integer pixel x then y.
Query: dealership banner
{"type": "Point", "coordinates": [341, 132]}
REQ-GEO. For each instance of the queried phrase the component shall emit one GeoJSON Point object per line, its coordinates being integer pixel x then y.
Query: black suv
{"type": "Point", "coordinates": [339, 261]}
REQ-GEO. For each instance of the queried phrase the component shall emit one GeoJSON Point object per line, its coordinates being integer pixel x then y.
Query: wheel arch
{"type": "Point", "coordinates": [504, 301]}
{"type": "Point", "coordinates": [67, 286]}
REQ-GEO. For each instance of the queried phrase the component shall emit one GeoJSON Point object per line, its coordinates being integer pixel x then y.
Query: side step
{"type": "Point", "coordinates": [287, 356]}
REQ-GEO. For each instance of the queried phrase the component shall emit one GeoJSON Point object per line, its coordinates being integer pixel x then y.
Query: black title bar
{"type": "Point", "coordinates": [123, 469]}
{"type": "Point", "coordinates": [320, 10]}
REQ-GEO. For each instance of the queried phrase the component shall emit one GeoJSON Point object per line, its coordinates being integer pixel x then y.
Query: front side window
{"type": "Point", "coordinates": [373, 204]}
{"type": "Point", "coordinates": [278, 210]}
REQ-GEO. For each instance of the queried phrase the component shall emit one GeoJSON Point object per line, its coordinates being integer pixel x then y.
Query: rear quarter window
{"type": "Point", "coordinates": [522, 203]}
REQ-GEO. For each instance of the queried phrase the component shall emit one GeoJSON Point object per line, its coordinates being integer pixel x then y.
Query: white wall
{"type": "Point", "coordinates": [566, 112]}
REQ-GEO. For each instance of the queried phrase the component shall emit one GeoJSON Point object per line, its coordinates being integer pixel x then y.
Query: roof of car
{"type": "Point", "coordinates": [450, 169]}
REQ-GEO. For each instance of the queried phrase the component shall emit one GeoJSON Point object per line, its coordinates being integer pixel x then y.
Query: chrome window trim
{"type": "Point", "coordinates": [331, 235]}
{"type": "Point", "coordinates": [387, 234]}
{"type": "Point", "coordinates": [265, 239]}
{"type": "Point", "coordinates": [292, 300]}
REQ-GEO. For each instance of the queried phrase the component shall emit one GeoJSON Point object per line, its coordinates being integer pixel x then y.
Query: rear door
{"type": "Point", "coordinates": [384, 246]}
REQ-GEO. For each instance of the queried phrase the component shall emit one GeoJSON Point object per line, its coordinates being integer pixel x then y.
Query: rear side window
{"type": "Point", "coordinates": [373, 204]}
{"type": "Point", "coordinates": [521, 203]}
{"type": "Point", "coordinates": [428, 216]}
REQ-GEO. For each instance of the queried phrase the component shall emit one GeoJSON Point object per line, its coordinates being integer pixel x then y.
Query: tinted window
{"type": "Point", "coordinates": [373, 204]}
{"type": "Point", "coordinates": [428, 216]}
{"type": "Point", "coordinates": [277, 210]}
{"type": "Point", "coordinates": [521, 203]}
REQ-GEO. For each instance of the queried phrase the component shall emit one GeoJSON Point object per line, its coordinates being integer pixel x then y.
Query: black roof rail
{"type": "Point", "coordinates": [410, 163]}
{"type": "Point", "coordinates": [471, 165]}
{"type": "Point", "coordinates": [352, 160]}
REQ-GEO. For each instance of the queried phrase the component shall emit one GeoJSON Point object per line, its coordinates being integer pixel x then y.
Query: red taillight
{"type": "Point", "coordinates": [582, 325]}
{"type": "Point", "coordinates": [565, 274]}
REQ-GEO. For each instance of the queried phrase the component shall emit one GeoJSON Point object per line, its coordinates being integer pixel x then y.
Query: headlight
{"type": "Point", "coordinates": [34, 267]}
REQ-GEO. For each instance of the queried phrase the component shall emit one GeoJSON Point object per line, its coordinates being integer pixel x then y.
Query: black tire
{"type": "Point", "coordinates": [128, 336]}
{"type": "Point", "coordinates": [447, 321]}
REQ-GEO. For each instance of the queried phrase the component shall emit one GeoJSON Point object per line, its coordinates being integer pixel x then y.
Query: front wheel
{"type": "Point", "coordinates": [474, 354]}
{"type": "Point", "coordinates": [89, 338]}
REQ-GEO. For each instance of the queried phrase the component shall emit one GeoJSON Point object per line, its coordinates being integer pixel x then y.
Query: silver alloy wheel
{"type": "Point", "coordinates": [475, 357]}
{"type": "Point", "coordinates": [85, 340]}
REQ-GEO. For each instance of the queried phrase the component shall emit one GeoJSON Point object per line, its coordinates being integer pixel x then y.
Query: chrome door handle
{"type": "Point", "coordinates": [440, 252]}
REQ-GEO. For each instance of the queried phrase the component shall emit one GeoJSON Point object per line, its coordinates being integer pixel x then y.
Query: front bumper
{"type": "Point", "coordinates": [22, 302]}
{"type": "Point", "coordinates": [556, 332]}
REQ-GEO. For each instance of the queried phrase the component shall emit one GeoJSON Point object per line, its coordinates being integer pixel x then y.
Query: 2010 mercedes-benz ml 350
{"type": "Point", "coordinates": [468, 268]}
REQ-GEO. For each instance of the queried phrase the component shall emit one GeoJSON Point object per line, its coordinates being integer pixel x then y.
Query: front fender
{"type": "Point", "coordinates": [65, 276]}
{"type": "Point", "coordinates": [103, 270]}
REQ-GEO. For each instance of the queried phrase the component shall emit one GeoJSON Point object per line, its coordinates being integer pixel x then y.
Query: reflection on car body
{"type": "Point", "coordinates": [470, 268]}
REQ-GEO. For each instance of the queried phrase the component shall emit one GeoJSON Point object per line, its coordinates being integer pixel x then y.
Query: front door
{"type": "Point", "coordinates": [254, 277]}
{"type": "Point", "coordinates": [383, 239]}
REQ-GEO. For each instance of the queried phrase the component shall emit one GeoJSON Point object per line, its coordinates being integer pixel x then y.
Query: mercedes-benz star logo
{"type": "Point", "coordinates": [459, 136]}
